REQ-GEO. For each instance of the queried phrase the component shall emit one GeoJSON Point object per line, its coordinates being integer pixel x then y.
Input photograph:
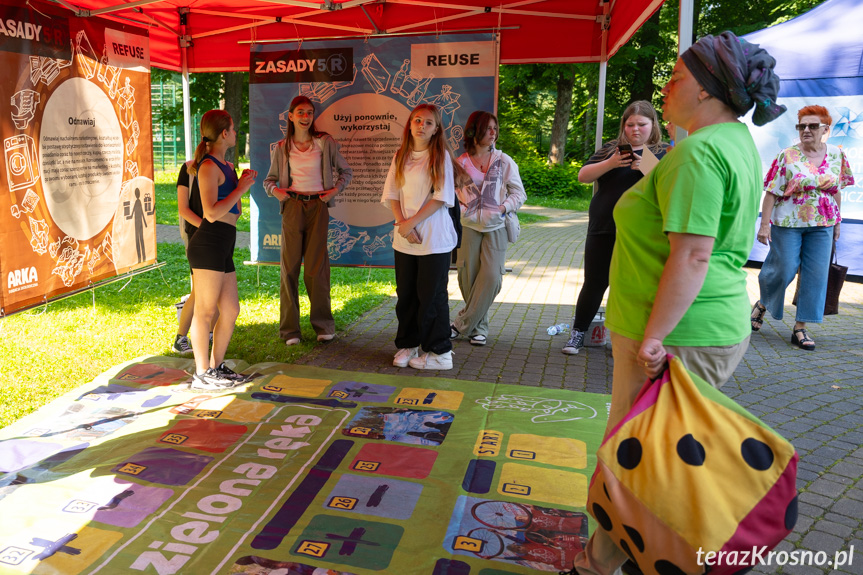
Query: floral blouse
{"type": "Point", "coordinates": [806, 194]}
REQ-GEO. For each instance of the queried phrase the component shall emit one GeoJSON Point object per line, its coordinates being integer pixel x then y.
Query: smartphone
{"type": "Point", "coordinates": [624, 149]}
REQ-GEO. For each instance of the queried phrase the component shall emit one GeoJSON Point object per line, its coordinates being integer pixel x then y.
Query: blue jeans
{"type": "Point", "coordinates": [790, 248]}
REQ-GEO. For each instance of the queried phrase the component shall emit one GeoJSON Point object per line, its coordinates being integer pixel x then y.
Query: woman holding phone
{"type": "Point", "coordinates": [419, 189]}
{"type": "Point", "coordinates": [211, 251]}
{"type": "Point", "coordinates": [616, 168]}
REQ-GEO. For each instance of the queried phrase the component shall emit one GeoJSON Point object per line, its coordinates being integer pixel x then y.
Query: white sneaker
{"type": "Point", "coordinates": [405, 355]}
{"type": "Point", "coordinates": [292, 341]}
{"type": "Point", "coordinates": [325, 337]}
{"type": "Point", "coordinates": [431, 360]}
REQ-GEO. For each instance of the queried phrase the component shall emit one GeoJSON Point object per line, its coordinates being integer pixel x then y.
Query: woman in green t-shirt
{"type": "Point", "coordinates": [684, 232]}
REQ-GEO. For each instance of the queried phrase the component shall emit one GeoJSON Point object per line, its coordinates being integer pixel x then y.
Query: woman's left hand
{"type": "Point", "coordinates": [652, 356]}
{"type": "Point", "coordinates": [327, 195]}
{"type": "Point", "coordinates": [835, 232]}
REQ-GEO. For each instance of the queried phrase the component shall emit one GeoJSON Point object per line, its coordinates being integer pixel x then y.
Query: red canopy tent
{"type": "Point", "coordinates": [218, 32]}
{"type": "Point", "coordinates": [215, 35]}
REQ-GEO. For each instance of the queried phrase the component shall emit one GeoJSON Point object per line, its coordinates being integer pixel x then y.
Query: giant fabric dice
{"type": "Point", "coordinates": [689, 470]}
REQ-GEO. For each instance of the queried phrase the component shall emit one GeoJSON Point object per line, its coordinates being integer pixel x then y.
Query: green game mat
{"type": "Point", "coordinates": [299, 470]}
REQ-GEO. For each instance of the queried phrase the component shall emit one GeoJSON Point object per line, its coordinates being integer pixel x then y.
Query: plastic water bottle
{"type": "Point", "coordinates": [559, 328]}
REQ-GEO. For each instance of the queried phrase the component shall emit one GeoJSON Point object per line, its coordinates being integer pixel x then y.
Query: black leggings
{"type": "Point", "coordinates": [597, 260]}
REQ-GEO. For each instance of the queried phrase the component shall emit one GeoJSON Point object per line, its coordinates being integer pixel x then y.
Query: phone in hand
{"type": "Point", "coordinates": [624, 149]}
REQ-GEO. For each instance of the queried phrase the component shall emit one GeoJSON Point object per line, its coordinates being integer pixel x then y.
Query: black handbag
{"type": "Point", "coordinates": [835, 280]}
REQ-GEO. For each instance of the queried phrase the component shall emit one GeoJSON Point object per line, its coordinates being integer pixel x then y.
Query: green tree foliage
{"type": "Point", "coordinates": [207, 91]}
{"type": "Point", "coordinates": [636, 72]}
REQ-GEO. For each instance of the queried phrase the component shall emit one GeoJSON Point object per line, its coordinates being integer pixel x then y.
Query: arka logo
{"type": "Point", "coordinates": [274, 240]}
{"type": "Point", "coordinates": [24, 276]}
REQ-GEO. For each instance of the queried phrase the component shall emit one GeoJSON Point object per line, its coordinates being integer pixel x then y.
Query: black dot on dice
{"type": "Point", "coordinates": [756, 454]}
{"type": "Point", "coordinates": [690, 450]}
{"type": "Point", "coordinates": [791, 514]}
{"type": "Point", "coordinates": [602, 517]}
{"type": "Point", "coordinates": [635, 536]}
{"type": "Point", "coordinates": [664, 567]}
{"type": "Point", "coordinates": [629, 453]}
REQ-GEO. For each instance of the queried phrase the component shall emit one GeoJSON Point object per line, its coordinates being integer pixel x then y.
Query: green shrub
{"type": "Point", "coordinates": [543, 180]}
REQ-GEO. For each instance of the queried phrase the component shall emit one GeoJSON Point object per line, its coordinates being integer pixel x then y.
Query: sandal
{"type": "Point", "coordinates": [804, 341]}
{"type": "Point", "coordinates": [453, 332]}
{"type": "Point", "coordinates": [478, 340]}
{"type": "Point", "coordinates": [756, 318]}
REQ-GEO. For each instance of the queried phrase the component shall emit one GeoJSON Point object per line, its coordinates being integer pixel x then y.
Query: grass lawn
{"type": "Point", "coordinates": [525, 219]}
{"type": "Point", "coordinates": [44, 354]}
{"type": "Point", "coordinates": [574, 203]}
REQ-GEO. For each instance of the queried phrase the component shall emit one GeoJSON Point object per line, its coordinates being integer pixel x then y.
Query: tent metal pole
{"type": "Point", "coordinates": [684, 41]}
{"type": "Point", "coordinates": [600, 103]}
{"type": "Point", "coordinates": [187, 106]}
{"type": "Point", "coordinates": [603, 71]}
{"type": "Point", "coordinates": [684, 27]}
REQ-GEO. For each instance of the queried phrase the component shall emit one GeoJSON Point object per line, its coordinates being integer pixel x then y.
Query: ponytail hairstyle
{"type": "Point", "coordinates": [638, 108]}
{"type": "Point", "coordinates": [213, 123]}
{"type": "Point", "coordinates": [439, 150]}
{"type": "Point", "coordinates": [475, 128]}
{"type": "Point", "coordinates": [289, 132]}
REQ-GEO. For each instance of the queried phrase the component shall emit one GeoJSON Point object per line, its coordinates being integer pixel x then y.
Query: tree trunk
{"type": "Point", "coordinates": [562, 109]}
{"type": "Point", "coordinates": [642, 85]}
{"type": "Point", "coordinates": [234, 106]}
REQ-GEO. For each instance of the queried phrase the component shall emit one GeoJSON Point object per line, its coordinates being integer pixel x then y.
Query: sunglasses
{"type": "Point", "coordinates": [812, 127]}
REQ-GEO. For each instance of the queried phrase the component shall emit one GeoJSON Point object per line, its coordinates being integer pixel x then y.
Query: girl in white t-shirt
{"type": "Point", "coordinates": [419, 189]}
{"type": "Point", "coordinates": [306, 172]}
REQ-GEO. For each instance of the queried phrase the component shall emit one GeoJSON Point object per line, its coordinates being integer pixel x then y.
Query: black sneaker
{"type": "Point", "coordinates": [575, 343]}
{"type": "Point", "coordinates": [227, 373]}
{"type": "Point", "coordinates": [210, 380]}
{"type": "Point", "coordinates": [182, 345]}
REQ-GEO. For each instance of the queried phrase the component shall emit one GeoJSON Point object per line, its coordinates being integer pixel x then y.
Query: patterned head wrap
{"type": "Point", "coordinates": [738, 73]}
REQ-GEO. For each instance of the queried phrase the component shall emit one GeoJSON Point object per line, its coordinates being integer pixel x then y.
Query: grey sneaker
{"type": "Point", "coordinates": [575, 343]}
{"type": "Point", "coordinates": [226, 372]}
{"type": "Point", "coordinates": [210, 380]}
{"type": "Point", "coordinates": [182, 345]}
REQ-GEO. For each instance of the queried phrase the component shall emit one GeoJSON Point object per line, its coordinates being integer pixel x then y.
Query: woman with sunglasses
{"type": "Point", "coordinates": [800, 222]}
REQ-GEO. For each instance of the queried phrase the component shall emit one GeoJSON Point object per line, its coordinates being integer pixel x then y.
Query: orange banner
{"type": "Point", "coordinates": [77, 154]}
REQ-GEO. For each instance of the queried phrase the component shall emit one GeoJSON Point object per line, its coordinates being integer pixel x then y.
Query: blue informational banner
{"type": "Point", "coordinates": [823, 70]}
{"type": "Point", "coordinates": [363, 91]}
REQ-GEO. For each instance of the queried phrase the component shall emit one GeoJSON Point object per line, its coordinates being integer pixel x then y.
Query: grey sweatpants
{"type": "Point", "coordinates": [481, 263]}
